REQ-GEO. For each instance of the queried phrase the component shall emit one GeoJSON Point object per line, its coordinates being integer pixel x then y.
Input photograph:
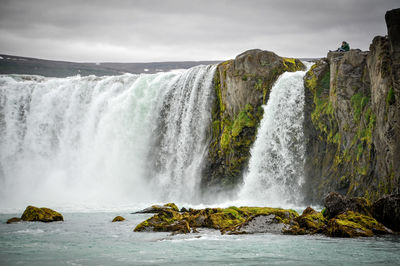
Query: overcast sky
{"type": "Point", "coordinates": [180, 30]}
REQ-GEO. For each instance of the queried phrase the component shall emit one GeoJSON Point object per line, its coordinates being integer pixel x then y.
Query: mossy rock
{"type": "Point", "coordinates": [260, 223]}
{"type": "Point", "coordinates": [223, 219]}
{"type": "Point", "coordinates": [353, 224]}
{"type": "Point", "coordinates": [165, 221]}
{"type": "Point", "coordinates": [173, 206]}
{"type": "Point", "coordinates": [242, 86]}
{"type": "Point", "coordinates": [310, 222]}
{"type": "Point", "coordinates": [336, 204]}
{"type": "Point", "coordinates": [118, 219]}
{"type": "Point", "coordinates": [14, 220]}
{"type": "Point", "coordinates": [293, 64]}
{"type": "Point", "coordinates": [159, 208]}
{"type": "Point", "coordinates": [34, 214]}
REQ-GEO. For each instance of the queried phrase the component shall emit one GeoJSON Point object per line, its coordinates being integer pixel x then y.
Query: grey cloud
{"type": "Point", "coordinates": [157, 30]}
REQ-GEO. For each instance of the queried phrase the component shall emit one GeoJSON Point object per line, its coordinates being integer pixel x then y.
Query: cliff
{"type": "Point", "coordinates": [241, 85]}
{"type": "Point", "coordinates": [352, 123]}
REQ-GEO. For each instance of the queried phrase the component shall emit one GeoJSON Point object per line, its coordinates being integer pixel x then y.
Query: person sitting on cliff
{"type": "Point", "coordinates": [344, 48]}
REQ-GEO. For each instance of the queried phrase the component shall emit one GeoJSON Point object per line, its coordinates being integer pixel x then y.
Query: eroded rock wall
{"type": "Point", "coordinates": [352, 122]}
{"type": "Point", "coordinates": [242, 85]}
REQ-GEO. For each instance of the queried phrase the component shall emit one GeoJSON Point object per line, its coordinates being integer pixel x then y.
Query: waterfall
{"type": "Point", "coordinates": [275, 172]}
{"type": "Point", "coordinates": [182, 142]}
{"type": "Point", "coordinates": [93, 141]}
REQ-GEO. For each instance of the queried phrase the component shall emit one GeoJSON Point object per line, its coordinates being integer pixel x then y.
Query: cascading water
{"type": "Point", "coordinates": [88, 140]}
{"type": "Point", "coordinates": [275, 173]}
{"type": "Point", "coordinates": [182, 142]}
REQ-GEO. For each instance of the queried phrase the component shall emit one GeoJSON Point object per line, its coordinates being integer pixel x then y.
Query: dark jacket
{"type": "Point", "coordinates": [345, 46]}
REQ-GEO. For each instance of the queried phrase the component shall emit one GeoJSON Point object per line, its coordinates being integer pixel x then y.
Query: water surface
{"type": "Point", "coordinates": [92, 239]}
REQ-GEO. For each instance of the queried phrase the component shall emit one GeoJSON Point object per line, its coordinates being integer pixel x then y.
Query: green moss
{"type": "Point", "coordinates": [310, 222]}
{"type": "Point", "coordinates": [292, 64]}
{"type": "Point", "coordinates": [118, 219]}
{"type": "Point", "coordinates": [173, 206]}
{"type": "Point", "coordinates": [390, 98]}
{"type": "Point", "coordinates": [284, 214]}
{"type": "Point", "coordinates": [244, 119]}
{"type": "Point", "coordinates": [34, 214]}
{"type": "Point", "coordinates": [358, 102]}
{"type": "Point", "coordinates": [233, 134]}
{"type": "Point", "coordinates": [355, 157]}
{"type": "Point", "coordinates": [164, 221]}
{"type": "Point", "coordinates": [143, 226]}
{"type": "Point", "coordinates": [353, 224]}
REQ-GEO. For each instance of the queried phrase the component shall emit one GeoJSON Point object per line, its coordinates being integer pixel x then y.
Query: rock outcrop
{"type": "Point", "coordinates": [34, 214]}
{"type": "Point", "coordinates": [118, 219]}
{"type": "Point", "coordinates": [387, 211]}
{"type": "Point", "coordinates": [14, 220]}
{"type": "Point", "coordinates": [159, 208]}
{"type": "Point", "coordinates": [241, 85]}
{"type": "Point", "coordinates": [353, 224]}
{"type": "Point", "coordinates": [232, 220]}
{"type": "Point", "coordinates": [336, 204]}
{"type": "Point", "coordinates": [352, 120]}
{"type": "Point", "coordinates": [309, 222]}
{"type": "Point", "coordinates": [342, 217]}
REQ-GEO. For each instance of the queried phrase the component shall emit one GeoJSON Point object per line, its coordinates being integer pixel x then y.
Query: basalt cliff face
{"type": "Point", "coordinates": [352, 120]}
{"type": "Point", "coordinates": [242, 85]}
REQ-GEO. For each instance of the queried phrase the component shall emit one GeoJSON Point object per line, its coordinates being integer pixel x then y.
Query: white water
{"type": "Point", "coordinates": [275, 173]}
{"type": "Point", "coordinates": [133, 140]}
{"type": "Point", "coordinates": [90, 141]}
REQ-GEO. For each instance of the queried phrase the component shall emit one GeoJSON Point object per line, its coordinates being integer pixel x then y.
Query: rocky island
{"type": "Point", "coordinates": [341, 217]}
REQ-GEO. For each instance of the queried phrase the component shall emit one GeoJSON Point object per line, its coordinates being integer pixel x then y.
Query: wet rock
{"type": "Point", "coordinates": [310, 222]}
{"type": "Point", "coordinates": [164, 221]}
{"type": "Point", "coordinates": [159, 208]}
{"type": "Point", "coordinates": [14, 220]}
{"type": "Point", "coordinates": [336, 204]}
{"type": "Point", "coordinates": [118, 219]}
{"type": "Point", "coordinates": [352, 224]}
{"type": "Point", "coordinates": [172, 205]}
{"type": "Point", "coordinates": [183, 209]}
{"type": "Point", "coordinates": [241, 85]}
{"type": "Point", "coordinates": [352, 115]}
{"type": "Point", "coordinates": [34, 214]}
{"type": "Point", "coordinates": [224, 219]}
{"type": "Point", "coordinates": [387, 211]}
{"type": "Point", "coordinates": [261, 224]}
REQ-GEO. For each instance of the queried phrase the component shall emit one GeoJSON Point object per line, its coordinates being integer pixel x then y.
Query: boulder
{"type": "Point", "coordinates": [34, 214]}
{"type": "Point", "coordinates": [387, 211]}
{"type": "Point", "coordinates": [159, 208]}
{"type": "Point", "coordinates": [164, 221]}
{"type": "Point", "coordinates": [336, 204]}
{"type": "Point", "coordinates": [118, 219]}
{"type": "Point", "coordinates": [261, 223]}
{"type": "Point", "coordinates": [14, 220]}
{"type": "Point", "coordinates": [352, 224]}
{"type": "Point", "coordinates": [310, 222]}
{"type": "Point", "coordinates": [183, 209]}
{"type": "Point", "coordinates": [172, 205]}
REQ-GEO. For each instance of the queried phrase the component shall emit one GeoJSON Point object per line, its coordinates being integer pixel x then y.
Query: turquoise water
{"type": "Point", "coordinates": [91, 239]}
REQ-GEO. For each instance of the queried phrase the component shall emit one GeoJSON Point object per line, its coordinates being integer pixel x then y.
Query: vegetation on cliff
{"type": "Point", "coordinates": [344, 129]}
{"type": "Point", "coordinates": [241, 87]}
